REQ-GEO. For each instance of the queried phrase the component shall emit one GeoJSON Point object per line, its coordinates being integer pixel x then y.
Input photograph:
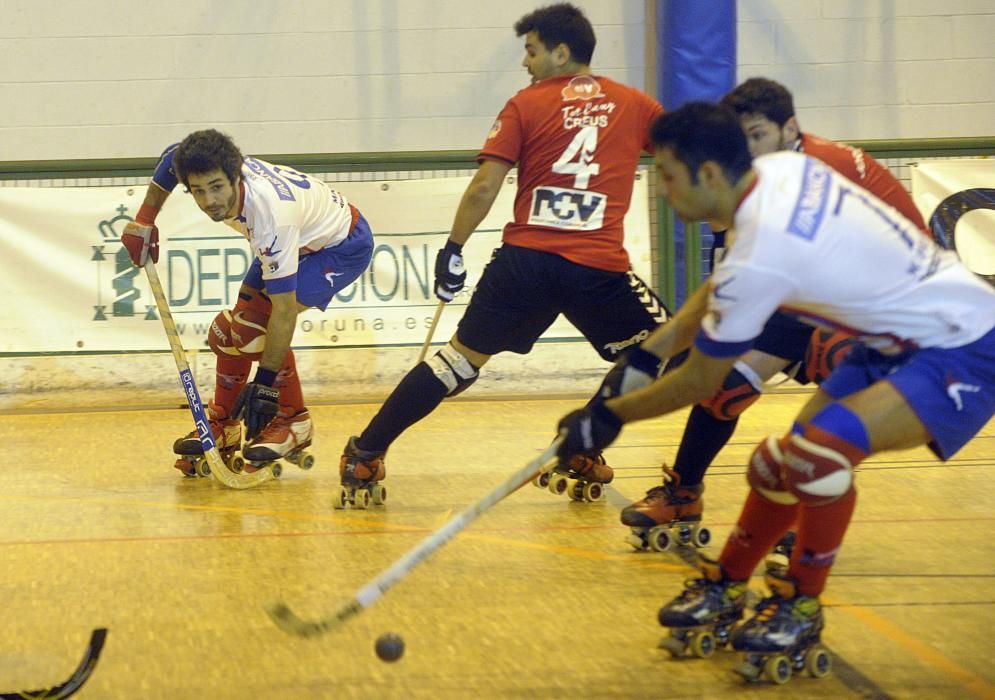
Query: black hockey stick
{"type": "Point", "coordinates": [76, 681]}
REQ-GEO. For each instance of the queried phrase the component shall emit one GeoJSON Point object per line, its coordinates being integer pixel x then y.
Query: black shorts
{"type": "Point", "coordinates": [522, 291]}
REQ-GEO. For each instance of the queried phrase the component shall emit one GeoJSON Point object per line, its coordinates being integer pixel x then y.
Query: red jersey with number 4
{"type": "Point", "coordinates": [576, 141]}
{"type": "Point", "coordinates": [855, 164]}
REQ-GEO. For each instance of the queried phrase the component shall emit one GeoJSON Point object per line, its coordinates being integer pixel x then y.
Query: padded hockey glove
{"type": "Point", "coordinates": [256, 405]}
{"type": "Point", "coordinates": [587, 429]}
{"type": "Point", "coordinates": [142, 242]}
{"type": "Point", "coordinates": [638, 368]}
{"type": "Point", "coordinates": [450, 275]}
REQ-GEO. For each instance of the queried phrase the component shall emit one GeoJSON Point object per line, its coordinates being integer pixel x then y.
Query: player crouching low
{"type": "Point", "coordinates": [309, 244]}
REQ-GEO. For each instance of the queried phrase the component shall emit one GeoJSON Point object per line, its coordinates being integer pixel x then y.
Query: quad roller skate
{"type": "Point", "coordinates": [361, 472]}
{"type": "Point", "coordinates": [285, 437]}
{"type": "Point", "coordinates": [227, 436]}
{"type": "Point", "coordinates": [783, 637]}
{"type": "Point", "coordinates": [776, 562]}
{"type": "Point", "coordinates": [669, 516]}
{"type": "Point", "coordinates": [701, 618]}
{"type": "Point", "coordinates": [583, 477]}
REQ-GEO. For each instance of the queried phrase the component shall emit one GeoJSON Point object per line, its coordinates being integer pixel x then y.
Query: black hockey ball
{"type": "Point", "coordinates": [389, 647]}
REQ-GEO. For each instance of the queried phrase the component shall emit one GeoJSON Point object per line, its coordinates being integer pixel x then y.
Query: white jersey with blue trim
{"type": "Point", "coordinates": [811, 242]}
{"type": "Point", "coordinates": [286, 214]}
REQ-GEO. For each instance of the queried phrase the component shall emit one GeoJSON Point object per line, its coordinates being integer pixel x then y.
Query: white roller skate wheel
{"type": "Point", "coordinates": [575, 489]}
{"type": "Point", "coordinates": [341, 498]}
{"type": "Point", "coordinates": [557, 484]}
{"type": "Point", "coordinates": [778, 669]}
{"type": "Point", "coordinates": [659, 539]}
{"type": "Point", "coordinates": [637, 539]}
{"type": "Point", "coordinates": [201, 467]}
{"type": "Point", "coordinates": [237, 463]}
{"type": "Point", "coordinates": [673, 645]}
{"type": "Point", "coordinates": [305, 460]}
{"type": "Point", "coordinates": [702, 644]}
{"type": "Point", "coordinates": [818, 662]}
{"type": "Point", "coordinates": [362, 499]}
{"type": "Point", "coordinates": [593, 491]}
{"type": "Point", "coordinates": [276, 468]}
{"type": "Point", "coordinates": [378, 493]}
{"type": "Point", "coordinates": [701, 537]}
{"type": "Point", "coordinates": [541, 481]}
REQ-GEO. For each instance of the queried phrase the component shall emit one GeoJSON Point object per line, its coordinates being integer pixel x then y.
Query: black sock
{"type": "Point", "coordinates": [414, 398]}
{"type": "Point", "coordinates": [704, 436]}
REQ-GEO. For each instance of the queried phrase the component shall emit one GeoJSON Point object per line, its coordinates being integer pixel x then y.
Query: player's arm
{"type": "Point", "coordinates": [279, 330]}
{"type": "Point", "coordinates": [141, 236]}
{"type": "Point", "coordinates": [477, 200]}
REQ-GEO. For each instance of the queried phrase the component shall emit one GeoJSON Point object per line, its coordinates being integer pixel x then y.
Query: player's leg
{"type": "Point", "coordinates": [320, 276]}
{"type": "Point", "coordinates": [615, 312]}
{"type": "Point", "coordinates": [236, 337]}
{"type": "Point", "coordinates": [508, 311]}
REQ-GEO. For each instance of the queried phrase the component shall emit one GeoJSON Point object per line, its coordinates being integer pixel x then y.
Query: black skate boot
{"type": "Point", "coordinates": [669, 515]}
{"type": "Point", "coordinates": [361, 472]}
{"type": "Point", "coordinates": [582, 477]}
{"type": "Point", "coordinates": [783, 636]}
{"type": "Point", "coordinates": [700, 618]}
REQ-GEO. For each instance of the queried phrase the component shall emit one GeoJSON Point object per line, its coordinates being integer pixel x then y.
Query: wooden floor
{"type": "Point", "coordinates": [540, 598]}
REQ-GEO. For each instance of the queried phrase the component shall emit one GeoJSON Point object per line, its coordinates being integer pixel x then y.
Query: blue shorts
{"type": "Point", "coordinates": [951, 390]}
{"type": "Point", "coordinates": [324, 273]}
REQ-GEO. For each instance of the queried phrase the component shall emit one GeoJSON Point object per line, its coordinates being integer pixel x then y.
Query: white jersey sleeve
{"type": "Point", "coordinates": [286, 214]}
{"type": "Point", "coordinates": [813, 243]}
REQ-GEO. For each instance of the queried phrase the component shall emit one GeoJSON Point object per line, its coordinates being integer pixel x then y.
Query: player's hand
{"type": "Point", "coordinates": [593, 427]}
{"type": "Point", "coordinates": [638, 368]}
{"type": "Point", "coordinates": [256, 405]}
{"type": "Point", "coordinates": [450, 275]}
{"type": "Point", "coordinates": [142, 242]}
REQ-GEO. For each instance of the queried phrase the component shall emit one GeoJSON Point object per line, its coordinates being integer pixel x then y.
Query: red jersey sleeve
{"type": "Point", "coordinates": [504, 140]}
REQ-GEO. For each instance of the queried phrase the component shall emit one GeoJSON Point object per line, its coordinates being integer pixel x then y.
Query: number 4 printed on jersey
{"type": "Point", "coordinates": [578, 158]}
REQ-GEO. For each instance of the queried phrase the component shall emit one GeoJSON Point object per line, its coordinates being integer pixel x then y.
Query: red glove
{"type": "Point", "coordinates": [141, 237]}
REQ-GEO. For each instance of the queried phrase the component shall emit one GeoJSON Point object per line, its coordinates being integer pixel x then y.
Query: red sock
{"type": "Point", "coordinates": [231, 373]}
{"type": "Point", "coordinates": [761, 524]}
{"type": "Point", "coordinates": [820, 533]}
{"type": "Point", "coordinates": [289, 384]}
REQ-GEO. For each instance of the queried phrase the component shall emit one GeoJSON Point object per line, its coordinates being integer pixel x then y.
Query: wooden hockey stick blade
{"type": "Point", "coordinates": [219, 470]}
{"type": "Point", "coordinates": [76, 681]}
{"type": "Point", "coordinates": [289, 622]}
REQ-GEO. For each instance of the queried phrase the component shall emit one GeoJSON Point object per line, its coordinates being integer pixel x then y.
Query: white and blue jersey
{"type": "Point", "coordinates": [284, 215]}
{"type": "Point", "coordinates": [808, 241]}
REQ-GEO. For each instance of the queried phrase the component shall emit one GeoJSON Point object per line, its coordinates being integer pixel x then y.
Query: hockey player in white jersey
{"type": "Point", "coordinates": [309, 242]}
{"type": "Point", "coordinates": [808, 241]}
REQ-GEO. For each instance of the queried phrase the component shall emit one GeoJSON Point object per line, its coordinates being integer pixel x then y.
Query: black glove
{"type": "Point", "coordinates": [638, 368]}
{"type": "Point", "coordinates": [450, 275]}
{"type": "Point", "coordinates": [593, 427]}
{"type": "Point", "coordinates": [256, 405]}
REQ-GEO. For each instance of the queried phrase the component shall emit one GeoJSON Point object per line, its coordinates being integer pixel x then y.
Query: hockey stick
{"type": "Point", "coordinates": [219, 470]}
{"type": "Point", "coordinates": [76, 681]}
{"type": "Point", "coordinates": [431, 331]}
{"type": "Point", "coordinates": [366, 596]}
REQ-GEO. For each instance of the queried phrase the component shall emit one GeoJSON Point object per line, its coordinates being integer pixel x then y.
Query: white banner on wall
{"type": "Point", "coordinates": [957, 199]}
{"type": "Point", "coordinates": [74, 288]}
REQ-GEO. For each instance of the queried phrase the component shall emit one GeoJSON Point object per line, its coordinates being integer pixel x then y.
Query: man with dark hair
{"type": "Point", "coordinates": [576, 138]}
{"type": "Point", "coordinates": [309, 243]}
{"type": "Point", "coordinates": [766, 114]}
{"type": "Point", "coordinates": [806, 240]}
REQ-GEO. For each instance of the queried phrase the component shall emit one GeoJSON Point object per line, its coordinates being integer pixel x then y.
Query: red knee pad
{"type": "Point", "coordinates": [765, 472]}
{"type": "Point", "coordinates": [826, 350]}
{"type": "Point", "coordinates": [737, 394]}
{"type": "Point", "coordinates": [241, 332]}
{"type": "Point", "coordinates": [818, 466]}
{"type": "Point", "coordinates": [219, 336]}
